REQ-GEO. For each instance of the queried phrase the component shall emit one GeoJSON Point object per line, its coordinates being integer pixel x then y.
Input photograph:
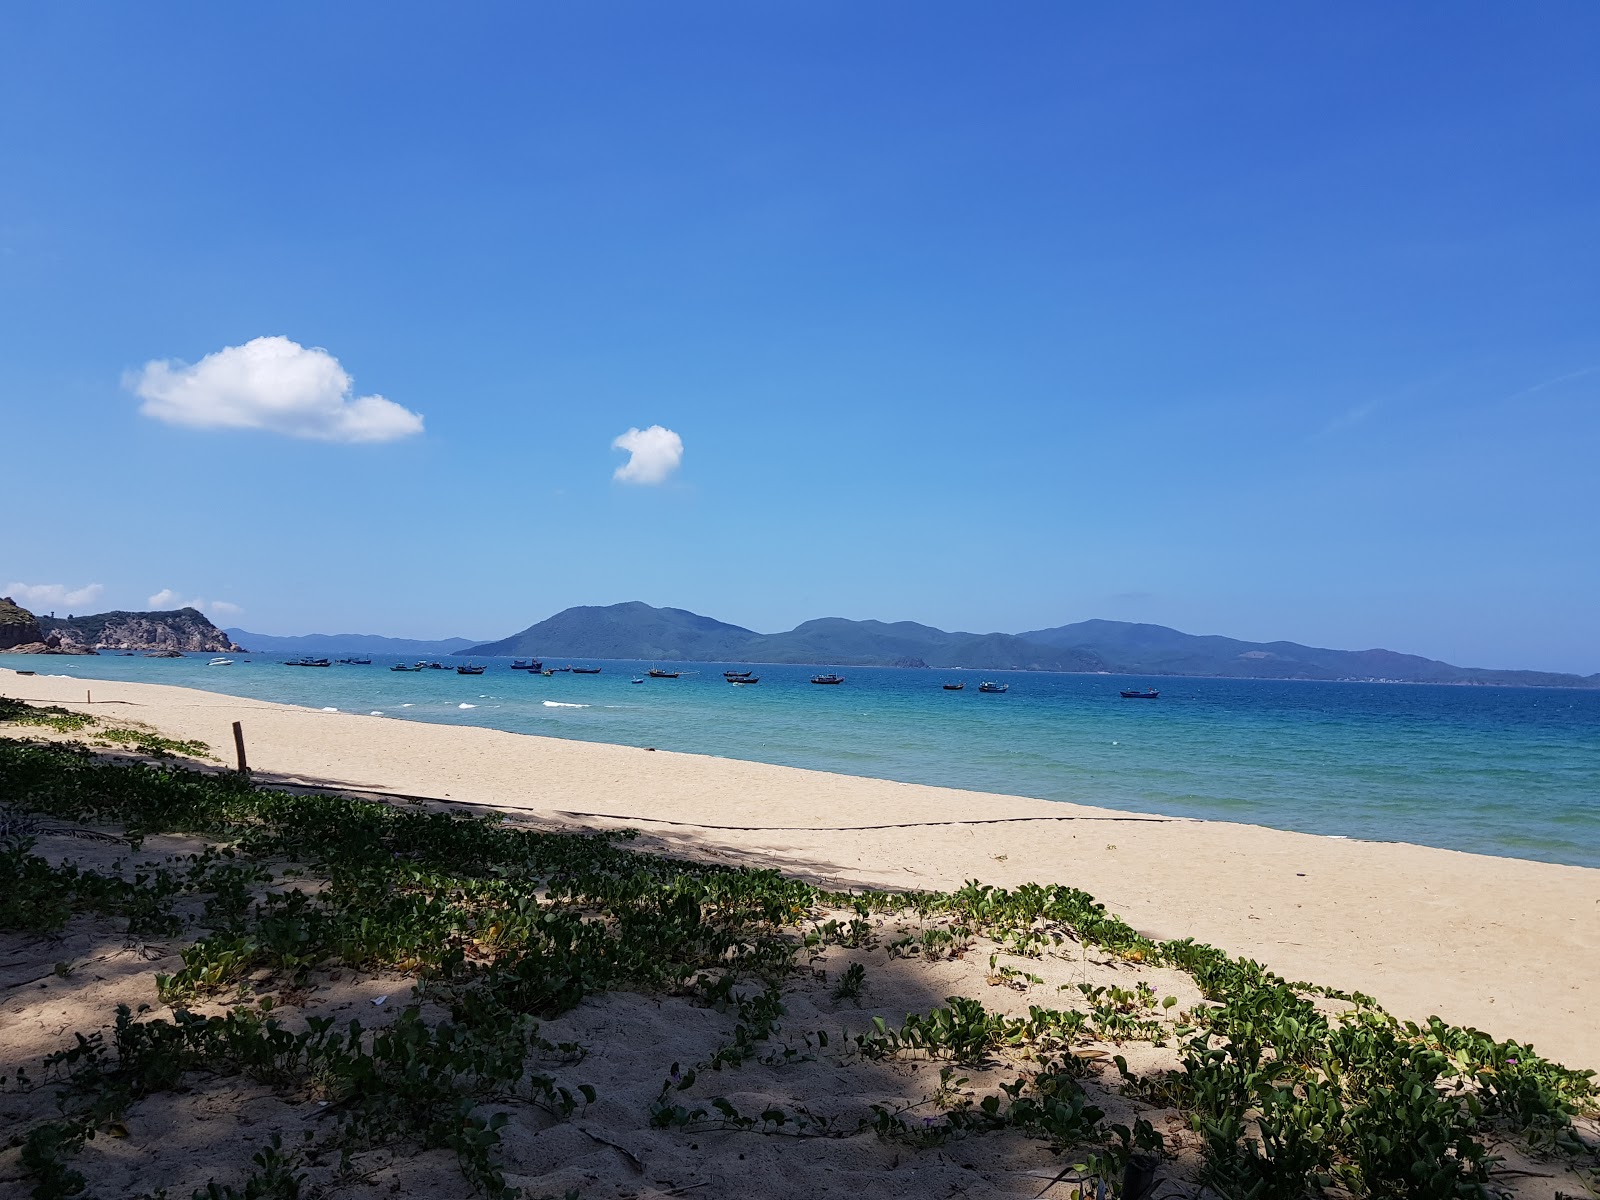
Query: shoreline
{"type": "Point", "coordinates": [1507, 945]}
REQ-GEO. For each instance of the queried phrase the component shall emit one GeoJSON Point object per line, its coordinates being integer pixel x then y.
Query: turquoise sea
{"type": "Point", "coordinates": [1504, 771]}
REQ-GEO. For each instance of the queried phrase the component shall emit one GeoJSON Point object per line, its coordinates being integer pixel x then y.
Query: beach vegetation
{"type": "Point", "coordinates": [506, 928]}
{"type": "Point", "coordinates": [154, 744]}
{"type": "Point", "coordinates": [51, 716]}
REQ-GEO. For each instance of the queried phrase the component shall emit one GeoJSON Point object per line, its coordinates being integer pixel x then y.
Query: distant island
{"type": "Point", "coordinates": [639, 631]}
{"type": "Point", "coordinates": [178, 629]}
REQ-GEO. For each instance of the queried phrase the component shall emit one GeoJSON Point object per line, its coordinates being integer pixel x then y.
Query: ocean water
{"type": "Point", "coordinates": [1503, 771]}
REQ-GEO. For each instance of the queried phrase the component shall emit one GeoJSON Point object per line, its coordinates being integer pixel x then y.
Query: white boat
{"type": "Point", "coordinates": [220, 662]}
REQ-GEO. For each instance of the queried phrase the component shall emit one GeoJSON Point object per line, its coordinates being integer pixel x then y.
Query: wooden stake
{"type": "Point", "coordinates": [238, 744]}
{"type": "Point", "coordinates": [88, 696]}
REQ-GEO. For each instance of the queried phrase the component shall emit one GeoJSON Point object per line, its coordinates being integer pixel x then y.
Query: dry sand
{"type": "Point", "coordinates": [1506, 945]}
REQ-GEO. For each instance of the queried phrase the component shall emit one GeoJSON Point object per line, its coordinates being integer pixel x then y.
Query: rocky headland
{"type": "Point", "coordinates": [18, 626]}
{"type": "Point", "coordinates": [177, 630]}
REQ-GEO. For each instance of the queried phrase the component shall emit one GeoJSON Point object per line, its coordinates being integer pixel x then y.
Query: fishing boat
{"type": "Point", "coordinates": [547, 672]}
{"type": "Point", "coordinates": [435, 666]}
{"type": "Point", "coordinates": [586, 670]}
{"type": "Point", "coordinates": [987, 686]}
{"type": "Point", "coordinates": [658, 673]}
{"type": "Point", "coordinates": [403, 667]}
{"type": "Point", "coordinates": [954, 687]}
{"type": "Point", "coordinates": [1140, 694]}
{"type": "Point", "coordinates": [736, 674]}
{"type": "Point", "coordinates": [308, 662]}
{"type": "Point", "coordinates": [830, 677]}
{"type": "Point", "coordinates": [743, 679]}
{"type": "Point", "coordinates": [220, 662]}
{"type": "Point", "coordinates": [469, 669]}
{"type": "Point", "coordinates": [527, 664]}
{"type": "Point", "coordinates": [356, 662]}
{"type": "Point", "coordinates": [635, 681]}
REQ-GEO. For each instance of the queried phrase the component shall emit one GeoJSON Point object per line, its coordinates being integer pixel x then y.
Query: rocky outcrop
{"type": "Point", "coordinates": [18, 626]}
{"type": "Point", "coordinates": [182, 629]}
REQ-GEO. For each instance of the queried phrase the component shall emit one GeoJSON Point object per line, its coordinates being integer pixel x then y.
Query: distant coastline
{"type": "Point", "coordinates": [640, 632]}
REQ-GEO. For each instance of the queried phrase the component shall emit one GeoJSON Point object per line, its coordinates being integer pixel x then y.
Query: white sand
{"type": "Point", "coordinates": [1510, 946]}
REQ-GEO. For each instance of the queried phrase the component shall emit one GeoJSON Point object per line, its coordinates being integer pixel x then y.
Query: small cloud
{"type": "Point", "coordinates": [166, 600]}
{"type": "Point", "coordinates": [654, 454]}
{"type": "Point", "coordinates": [269, 383]}
{"type": "Point", "coordinates": [53, 595]}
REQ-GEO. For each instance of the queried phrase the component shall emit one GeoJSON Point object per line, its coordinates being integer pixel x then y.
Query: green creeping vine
{"type": "Point", "coordinates": [506, 925]}
{"type": "Point", "coordinates": [62, 720]}
{"type": "Point", "coordinates": [405, 1082]}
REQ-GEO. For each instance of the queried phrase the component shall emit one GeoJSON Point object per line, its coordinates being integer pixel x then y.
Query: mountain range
{"type": "Point", "coordinates": [639, 631]}
{"type": "Point", "coordinates": [324, 645]}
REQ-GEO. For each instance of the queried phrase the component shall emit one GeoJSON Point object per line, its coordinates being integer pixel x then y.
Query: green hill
{"type": "Point", "coordinates": [631, 630]}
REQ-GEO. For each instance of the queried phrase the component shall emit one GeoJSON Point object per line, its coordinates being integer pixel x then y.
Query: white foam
{"type": "Point", "coordinates": [405, 706]}
{"type": "Point", "coordinates": [377, 712]}
{"type": "Point", "coordinates": [466, 706]}
{"type": "Point", "coordinates": [330, 710]}
{"type": "Point", "coordinates": [559, 704]}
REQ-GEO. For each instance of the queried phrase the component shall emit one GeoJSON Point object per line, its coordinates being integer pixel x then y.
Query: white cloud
{"type": "Point", "coordinates": [34, 596]}
{"type": "Point", "coordinates": [166, 600]}
{"type": "Point", "coordinates": [269, 383]}
{"type": "Point", "coordinates": [654, 454]}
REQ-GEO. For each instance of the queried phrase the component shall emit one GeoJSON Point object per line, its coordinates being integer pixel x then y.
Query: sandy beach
{"type": "Point", "coordinates": [1507, 945]}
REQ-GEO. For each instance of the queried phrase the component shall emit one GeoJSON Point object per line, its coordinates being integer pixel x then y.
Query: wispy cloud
{"type": "Point", "coordinates": [1547, 384]}
{"type": "Point", "coordinates": [53, 595]}
{"type": "Point", "coordinates": [271, 384]}
{"type": "Point", "coordinates": [1352, 416]}
{"type": "Point", "coordinates": [167, 599]}
{"type": "Point", "coordinates": [653, 455]}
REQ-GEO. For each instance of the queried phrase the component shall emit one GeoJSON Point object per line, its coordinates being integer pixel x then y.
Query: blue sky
{"type": "Point", "coordinates": [1249, 319]}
